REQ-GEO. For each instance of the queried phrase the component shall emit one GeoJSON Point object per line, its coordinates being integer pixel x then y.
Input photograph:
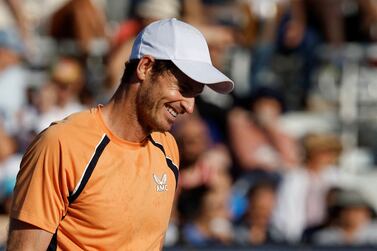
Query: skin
{"type": "Point", "coordinates": [262, 130]}
{"type": "Point", "coordinates": [143, 108]}
{"type": "Point", "coordinates": [260, 213]}
{"type": "Point", "coordinates": [23, 236]}
{"type": "Point", "coordinates": [16, 7]}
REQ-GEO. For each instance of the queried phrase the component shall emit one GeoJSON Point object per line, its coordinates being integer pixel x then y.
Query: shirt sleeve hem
{"type": "Point", "coordinates": [29, 218]}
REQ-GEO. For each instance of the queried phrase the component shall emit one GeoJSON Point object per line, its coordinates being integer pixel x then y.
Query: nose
{"type": "Point", "coordinates": [188, 105]}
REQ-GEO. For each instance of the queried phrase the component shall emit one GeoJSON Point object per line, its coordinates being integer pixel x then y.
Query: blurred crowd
{"type": "Point", "coordinates": [289, 157]}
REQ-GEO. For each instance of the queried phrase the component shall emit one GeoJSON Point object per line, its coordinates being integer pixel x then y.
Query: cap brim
{"type": "Point", "coordinates": [206, 74]}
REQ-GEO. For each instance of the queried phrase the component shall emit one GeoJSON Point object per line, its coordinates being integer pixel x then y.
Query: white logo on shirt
{"type": "Point", "coordinates": [161, 185]}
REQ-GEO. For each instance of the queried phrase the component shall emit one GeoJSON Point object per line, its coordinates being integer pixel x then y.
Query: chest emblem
{"type": "Point", "coordinates": [161, 185]}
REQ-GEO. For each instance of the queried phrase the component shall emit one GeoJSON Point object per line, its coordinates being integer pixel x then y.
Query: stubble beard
{"type": "Point", "coordinates": [146, 112]}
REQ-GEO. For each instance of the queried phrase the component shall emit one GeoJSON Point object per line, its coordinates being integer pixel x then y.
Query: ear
{"type": "Point", "coordinates": [144, 67]}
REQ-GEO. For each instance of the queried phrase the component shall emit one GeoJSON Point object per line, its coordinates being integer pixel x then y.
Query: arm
{"type": "Point", "coordinates": [246, 140]}
{"type": "Point", "coordinates": [286, 146]}
{"type": "Point", "coordinates": [23, 236]}
{"type": "Point", "coordinates": [193, 12]}
{"type": "Point", "coordinates": [369, 7]}
{"type": "Point", "coordinates": [40, 194]}
{"type": "Point", "coordinates": [15, 7]}
{"type": "Point", "coordinates": [296, 26]}
{"type": "Point", "coordinates": [89, 21]}
{"type": "Point", "coordinates": [369, 12]}
{"type": "Point", "coordinates": [330, 14]}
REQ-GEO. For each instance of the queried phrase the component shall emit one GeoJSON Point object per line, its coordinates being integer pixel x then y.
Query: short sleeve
{"type": "Point", "coordinates": [40, 195]}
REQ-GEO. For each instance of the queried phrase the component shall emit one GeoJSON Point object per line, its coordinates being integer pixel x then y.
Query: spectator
{"type": "Point", "coordinates": [329, 220]}
{"type": "Point", "coordinates": [310, 24]}
{"type": "Point", "coordinates": [255, 227]}
{"type": "Point", "coordinates": [193, 139]}
{"type": "Point", "coordinates": [14, 18]}
{"type": "Point", "coordinates": [9, 166]}
{"type": "Point", "coordinates": [202, 162]}
{"type": "Point", "coordinates": [36, 115]}
{"type": "Point", "coordinates": [13, 82]}
{"type": "Point", "coordinates": [259, 144]}
{"type": "Point", "coordinates": [205, 216]}
{"type": "Point", "coordinates": [79, 21]}
{"type": "Point", "coordinates": [302, 195]}
{"type": "Point", "coordinates": [266, 16]}
{"type": "Point", "coordinates": [336, 21]}
{"type": "Point", "coordinates": [54, 100]}
{"type": "Point", "coordinates": [354, 224]}
{"type": "Point", "coordinates": [68, 77]}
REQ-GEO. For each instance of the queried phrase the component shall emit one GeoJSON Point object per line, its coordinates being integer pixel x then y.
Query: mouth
{"type": "Point", "coordinates": [171, 111]}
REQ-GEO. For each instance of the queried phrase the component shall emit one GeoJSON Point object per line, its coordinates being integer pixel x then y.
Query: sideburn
{"type": "Point", "coordinates": [143, 106]}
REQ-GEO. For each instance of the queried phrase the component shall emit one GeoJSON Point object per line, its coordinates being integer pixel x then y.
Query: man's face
{"type": "Point", "coordinates": [162, 98]}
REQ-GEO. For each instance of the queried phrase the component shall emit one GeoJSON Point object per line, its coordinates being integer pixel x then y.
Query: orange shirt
{"type": "Point", "coordinates": [127, 200]}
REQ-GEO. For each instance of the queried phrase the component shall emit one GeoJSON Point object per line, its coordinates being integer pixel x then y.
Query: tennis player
{"type": "Point", "coordinates": [105, 178]}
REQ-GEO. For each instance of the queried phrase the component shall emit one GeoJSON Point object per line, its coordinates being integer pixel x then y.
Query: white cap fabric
{"type": "Point", "coordinates": [186, 47]}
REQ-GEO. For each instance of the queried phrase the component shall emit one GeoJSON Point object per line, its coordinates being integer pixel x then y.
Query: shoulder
{"type": "Point", "coordinates": [78, 127]}
{"type": "Point", "coordinates": [328, 236]}
{"type": "Point", "coordinates": [83, 119]}
{"type": "Point", "coordinates": [75, 124]}
{"type": "Point", "coordinates": [298, 173]}
{"type": "Point", "coordinates": [167, 141]}
{"type": "Point", "coordinates": [163, 137]}
{"type": "Point", "coordinates": [372, 228]}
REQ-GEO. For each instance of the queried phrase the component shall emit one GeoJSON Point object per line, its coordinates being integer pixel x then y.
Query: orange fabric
{"type": "Point", "coordinates": [119, 209]}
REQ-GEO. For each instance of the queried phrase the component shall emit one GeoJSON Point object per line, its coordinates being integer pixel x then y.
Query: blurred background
{"type": "Point", "coordinates": [287, 161]}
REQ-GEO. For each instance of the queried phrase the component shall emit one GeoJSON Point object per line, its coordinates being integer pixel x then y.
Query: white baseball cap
{"type": "Point", "coordinates": [186, 47]}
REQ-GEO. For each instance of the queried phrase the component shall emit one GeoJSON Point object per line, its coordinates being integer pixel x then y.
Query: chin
{"type": "Point", "coordinates": [158, 124]}
{"type": "Point", "coordinates": [160, 127]}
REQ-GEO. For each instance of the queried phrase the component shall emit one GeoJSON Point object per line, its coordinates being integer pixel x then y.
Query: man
{"type": "Point", "coordinates": [105, 179]}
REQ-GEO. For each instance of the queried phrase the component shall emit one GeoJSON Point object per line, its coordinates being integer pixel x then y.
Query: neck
{"type": "Point", "coordinates": [121, 118]}
{"type": "Point", "coordinates": [315, 167]}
